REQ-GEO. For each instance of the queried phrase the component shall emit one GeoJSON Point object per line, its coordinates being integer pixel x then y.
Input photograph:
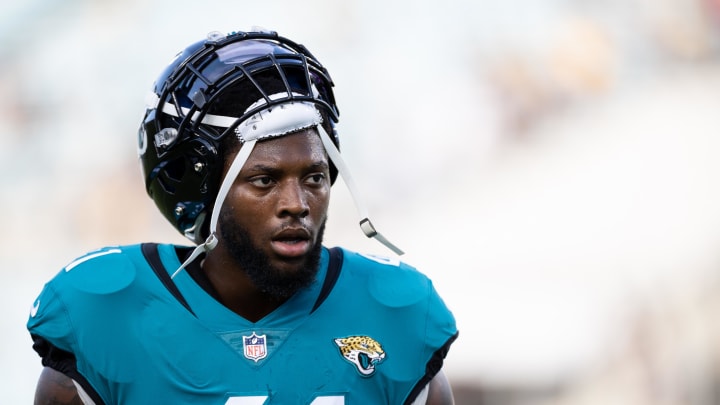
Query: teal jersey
{"type": "Point", "coordinates": [367, 331]}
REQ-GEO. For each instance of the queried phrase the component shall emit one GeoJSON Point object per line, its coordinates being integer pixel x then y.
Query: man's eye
{"type": "Point", "coordinates": [261, 181]}
{"type": "Point", "coordinates": [316, 178]}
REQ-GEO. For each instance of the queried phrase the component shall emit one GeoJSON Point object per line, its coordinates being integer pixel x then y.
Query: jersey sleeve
{"type": "Point", "coordinates": [78, 307]}
{"type": "Point", "coordinates": [441, 331]}
{"type": "Point", "coordinates": [50, 320]}
{"type": "Point", "coordinates": [401, 287]}
{"type": "Point", "coordinates": [441, 328]}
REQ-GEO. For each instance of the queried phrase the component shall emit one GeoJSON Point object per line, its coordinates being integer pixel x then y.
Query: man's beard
{"type": "Point", "coordinates": [256, 264]}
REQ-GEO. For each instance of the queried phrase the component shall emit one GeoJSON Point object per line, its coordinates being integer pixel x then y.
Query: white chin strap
{"type": "Point", "coordinates": [275, 122]}
{"type": "Point", "coordinates": [365, 224]}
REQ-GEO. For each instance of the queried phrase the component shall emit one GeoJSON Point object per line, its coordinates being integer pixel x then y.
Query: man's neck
{"type": "Point", "coordinates": [234, 288]}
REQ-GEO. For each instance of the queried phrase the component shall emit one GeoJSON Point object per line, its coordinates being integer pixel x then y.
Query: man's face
{"type": "Point", "coordinates": [273, 218]}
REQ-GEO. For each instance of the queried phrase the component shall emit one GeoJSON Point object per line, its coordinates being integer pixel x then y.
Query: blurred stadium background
{"type": "Point", "coordinates": [554, 166]}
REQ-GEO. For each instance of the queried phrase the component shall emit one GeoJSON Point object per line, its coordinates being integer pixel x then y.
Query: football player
{"type": "Point", "coordinates": [239, 150]}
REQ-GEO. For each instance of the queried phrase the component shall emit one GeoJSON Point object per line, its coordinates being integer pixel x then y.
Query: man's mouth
{"type": "Point", "coordinates": [291, 242]}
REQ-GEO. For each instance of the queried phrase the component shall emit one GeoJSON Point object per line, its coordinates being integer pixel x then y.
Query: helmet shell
{"type": "Point", "coordinates": [182, 146]}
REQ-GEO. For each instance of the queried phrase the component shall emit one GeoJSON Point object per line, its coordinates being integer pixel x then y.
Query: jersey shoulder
{"type": "Point", "coordinates": [102, 271]}
{"type": "Point", "coordinates": [88, 281]}
{"type": "Point", "coordinates": [389, 280]}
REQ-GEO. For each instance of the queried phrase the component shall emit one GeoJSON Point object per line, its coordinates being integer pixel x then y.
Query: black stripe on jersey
{"type": "Point", "coordinates": [150, 251]}
{"type": "Point", "coordinates": [431, 369]}
{"type": "Point", "coordinates": [333, 273]}
{"type": "Point", "coordinates": [63, 362]}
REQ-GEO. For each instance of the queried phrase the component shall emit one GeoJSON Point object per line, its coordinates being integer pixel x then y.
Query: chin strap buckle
{"type": "Point", "coordinates": [209, 245]}
{"type": "Point", "coordinates": [370, 231]}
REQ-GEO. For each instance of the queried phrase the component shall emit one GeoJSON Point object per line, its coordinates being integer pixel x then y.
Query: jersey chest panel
{"type": "Point", "coordinates": [187, 361]}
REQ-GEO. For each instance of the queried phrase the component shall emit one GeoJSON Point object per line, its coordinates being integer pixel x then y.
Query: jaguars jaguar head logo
{"type": "Point", "coordinates": [362, 351]}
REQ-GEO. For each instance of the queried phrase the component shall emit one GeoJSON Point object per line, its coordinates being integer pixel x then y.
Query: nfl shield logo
{"type": "Point", "coordinates": [255, 347]}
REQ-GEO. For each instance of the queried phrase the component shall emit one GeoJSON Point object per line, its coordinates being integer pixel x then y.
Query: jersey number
{"type": "Point", "coordinates": [260, 400]}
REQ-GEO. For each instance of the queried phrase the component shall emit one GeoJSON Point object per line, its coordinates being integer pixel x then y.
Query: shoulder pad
{"type": "Point", "coordinates": [392, 282]}
{"type": "Point", "coordinates": [100, 272]}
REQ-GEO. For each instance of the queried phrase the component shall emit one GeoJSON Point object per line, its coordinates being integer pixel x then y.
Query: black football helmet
{"type": "Point", "coordinates": [202, 97]}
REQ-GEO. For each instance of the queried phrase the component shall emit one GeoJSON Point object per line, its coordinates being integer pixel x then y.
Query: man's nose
{"type": "Point", "coordinates": [293, 200]}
